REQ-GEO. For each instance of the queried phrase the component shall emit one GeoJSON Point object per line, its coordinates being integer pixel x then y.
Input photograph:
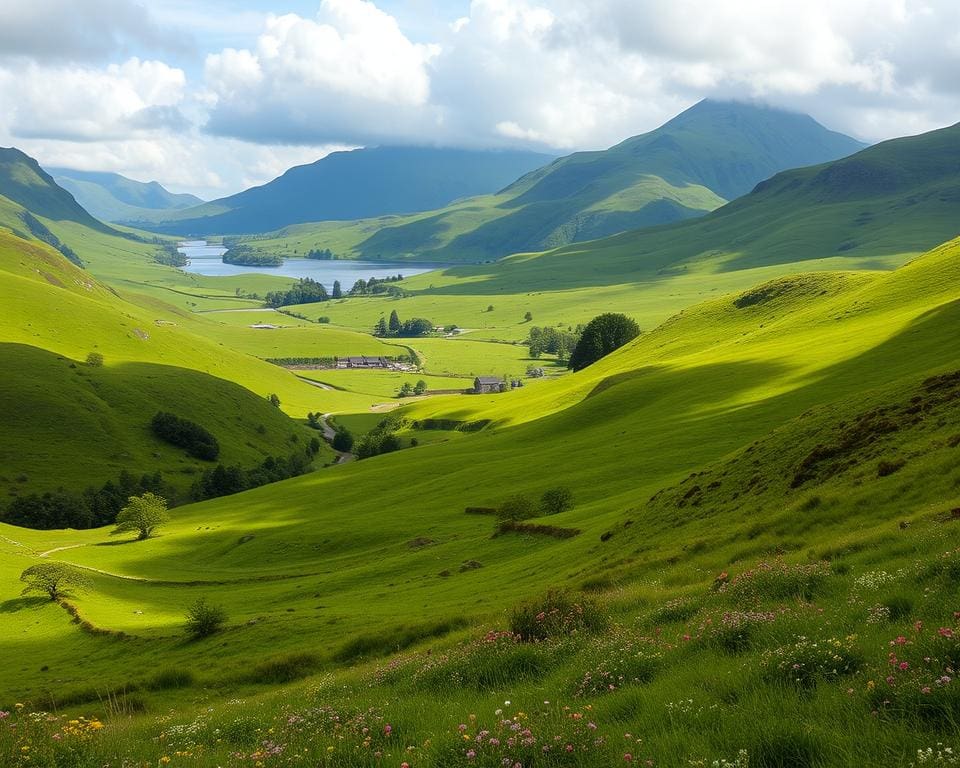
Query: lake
{"type": "Point", "coordinates": [206, 259]}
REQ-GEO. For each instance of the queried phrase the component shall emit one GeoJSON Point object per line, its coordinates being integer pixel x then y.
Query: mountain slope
{"type": "Point", "coordinates": [713, 152]}
{"type": "Point", "coordinates": [873, 209]}
{"type": "Point", "coordinates": [23, 181]}
{"type": "Point", "coordinates": [353, 185]}
{"type": "Point", "coordinates": [112, 197]}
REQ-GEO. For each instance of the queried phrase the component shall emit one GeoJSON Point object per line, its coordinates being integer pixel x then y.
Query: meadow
{"type": "Point", "coordinates": [709, 608]}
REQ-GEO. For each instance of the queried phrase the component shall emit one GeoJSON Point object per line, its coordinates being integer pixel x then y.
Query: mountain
{"type": "Point", "coordinates": [112, 197]}
{"type": "Point", "coordinates": [711, 153]}
{"type": "Point", "coordinates": [23, 181]}
{"type": "Point", "coordinates": [353, 185]}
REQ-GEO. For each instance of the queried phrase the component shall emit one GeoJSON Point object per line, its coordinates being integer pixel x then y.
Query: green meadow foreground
{"type": "Point", "coordinates": [760, 568]}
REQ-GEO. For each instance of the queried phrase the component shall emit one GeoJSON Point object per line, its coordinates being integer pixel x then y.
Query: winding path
{"type": "Point", "coordinates": [328, 434]}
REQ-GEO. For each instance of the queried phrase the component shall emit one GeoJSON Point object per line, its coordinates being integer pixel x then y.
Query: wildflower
{"type": "Point", "coordinates": [4, 715]}
{"type": "Point", "coordinates": [945, 632]}
{"type": "Point", "coordinates": [628, 757]}
{"type": "Point", "coordinates": [387, 729]}
{"type": "Point", "coordinates": [471, 754]}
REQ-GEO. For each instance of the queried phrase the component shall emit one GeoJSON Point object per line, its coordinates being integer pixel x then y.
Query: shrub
{"type": "Point", "coordinates": [95, 360]}
{"type": "Point", "coordinates": [196, 440]}
{"type": "Point", "coordinates": [601, 336]}
{"type": "Point", "coordinates": [557, 614]}
{"type": "Point", "coordinates": [556, 500]}
{"type": "Point", "coordinates": [204, 619]}
{"type": "Point", "coordinates": [517, 507]}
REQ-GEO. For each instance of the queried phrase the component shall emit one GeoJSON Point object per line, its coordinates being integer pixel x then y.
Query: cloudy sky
{"type": "Point", "coordinates": [211, 96]}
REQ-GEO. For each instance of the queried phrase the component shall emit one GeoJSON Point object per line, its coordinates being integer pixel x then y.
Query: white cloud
{"type": "Point", "coordinates": [92, 104]}
{"type": "Point", "coordinates": [560, 74]}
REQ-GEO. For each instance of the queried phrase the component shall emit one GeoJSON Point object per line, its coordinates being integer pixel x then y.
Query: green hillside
{"type": "Point", "coordinates": [713, 152]}
{"type": "Point", "coordinates": [24, 182]}
{"type": "Point", "coordinates": [352, 185]}
{"type": "Point", "coordinates": [112, 197]}
{"type": "Point", "coordinates": [662, 442]}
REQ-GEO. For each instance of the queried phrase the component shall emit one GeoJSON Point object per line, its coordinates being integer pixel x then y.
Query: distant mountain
{"type": "Point", "coordinates": [874, 208]}
{"type": "Point", "coordinates": [23, 181]}
{"type": "Point", "coordinates": [112, 197]}
{"type": "Point", "coordinates": [712, 153]}
{"type": "Point", "coordinates": [353, 185]}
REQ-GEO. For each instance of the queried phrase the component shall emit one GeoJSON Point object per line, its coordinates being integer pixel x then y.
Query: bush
{"type": "Point", "coordinates": [517, 507]}
{"type": "Point", "coordinates": [556, 500]}
{"type": "Point", "coordinates": [626, 662]}
{"type": "Point", "coordinates": [343, 441]}
{"type": "Point", "coordinates": [601, 336]}
{"type": "Point", "coordinates": [95, 360]}
{"type": "Point", "coordinates": [196, 440]}
{"type": "Point", "coordinates": [556, 615]}
{"type": "Point", "coordinates": [204, 620]}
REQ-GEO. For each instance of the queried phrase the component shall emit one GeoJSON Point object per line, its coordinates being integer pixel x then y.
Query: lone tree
{"type": "Point", "coordinates": [142, 514]}
{"type": "Point", "coordinates": [603, 335]}
{"type": "Point", "coordinates": [52, 579]}
{"type": "Point", "coordinates": [274, 399]}
{"type": "Point", "coordinates": [337, 290]}
{"type": "Point", "coordinates": [556, 500]}
{"type": "Point", "coordinates": [95, 360]}
{"type": "Point", "coordinates": [204, 619]}
{"type": "Point", "coordinates": [420, 387]}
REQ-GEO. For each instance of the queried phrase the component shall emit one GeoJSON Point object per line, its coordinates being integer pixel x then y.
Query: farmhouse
{"type": "Point", "coordinates": [485, 385]}
{"type": "Point", "coordinates": [362, 362]}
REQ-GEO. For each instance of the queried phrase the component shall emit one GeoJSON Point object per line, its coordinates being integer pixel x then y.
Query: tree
{"type": "Point", "coordinates": [95, 360]}
{"type": "Point", "coordinates": [602, 335]}
{"type": "Point", "coordinates": [381, 328]}
{"type": "Point", "coordinates": [274, 400]}
{"type": "Point", "coordinates": [489, 307]}
{"type": "Point", "coordinates": [343, 441]}
{"type": "Point", "coordinates": [528, 316]}
{"type": "Point", "coordinates": [417, 326]}
{"type": "Point", "coordinates": [420, 387]}
{"type": "Point", "coordinates": [204, 619]}
{"type": "Point", "coordinates": [142, 514]}
{"type": "Point", "coordinates": [52, 579]}
{"type": "Point", "coordinates": [406, 390]}
{"type": "Point", "coordinates": [394, 324]}
{"type": "Point", "coordinates": [337, 290]}
{"type": "Point", "coordinates": [556, 500]}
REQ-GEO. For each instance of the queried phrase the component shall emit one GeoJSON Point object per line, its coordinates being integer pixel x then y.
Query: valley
{"type": "Point", "coordinates": [395, 528]}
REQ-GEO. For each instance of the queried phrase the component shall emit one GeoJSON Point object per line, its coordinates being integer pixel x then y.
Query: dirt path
{"type": "Point", "coordinates": [318, 384]}
{"type": "Point", "coordinates": [61, 549]}
{"type": "Point", "coordinates": [328, 434]}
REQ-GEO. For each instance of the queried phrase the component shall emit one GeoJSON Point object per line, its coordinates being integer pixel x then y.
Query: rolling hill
{"type": "Point", "coordinates": [352, 185]}
{"type": "Point", "coordinates": [112, 197]}
{"type": "Point", "coordinates": [711, 153]}
{"type": "Point", "coordinates": [708, 577]}
{"type": "Point", "coordinates": [24, 182]}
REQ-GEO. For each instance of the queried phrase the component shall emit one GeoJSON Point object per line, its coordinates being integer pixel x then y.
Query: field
{"type": "Point", "coordinates": [855, 557]}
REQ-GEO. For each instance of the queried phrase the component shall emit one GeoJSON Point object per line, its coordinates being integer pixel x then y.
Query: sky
{"type": "Point", "coordinates": [212, 97]}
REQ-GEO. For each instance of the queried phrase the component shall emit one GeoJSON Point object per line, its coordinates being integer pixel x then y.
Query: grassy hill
{"type": "Point", "coordinates": [112, 197]}
{"type": "Point", "coordinates": [353, 185]}
{"type": "Point", "coordinates": [713, 152]}
{"type": "Point", "coordinates": [71, 425]}
{"type": "Point", "coordinates": [682, 449]}
{"type": "Point", "coordinates": [24, 182]}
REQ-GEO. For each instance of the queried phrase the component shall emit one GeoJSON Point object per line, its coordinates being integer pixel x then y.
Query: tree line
{"type": "Point", "coordinates": [417, 326]}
